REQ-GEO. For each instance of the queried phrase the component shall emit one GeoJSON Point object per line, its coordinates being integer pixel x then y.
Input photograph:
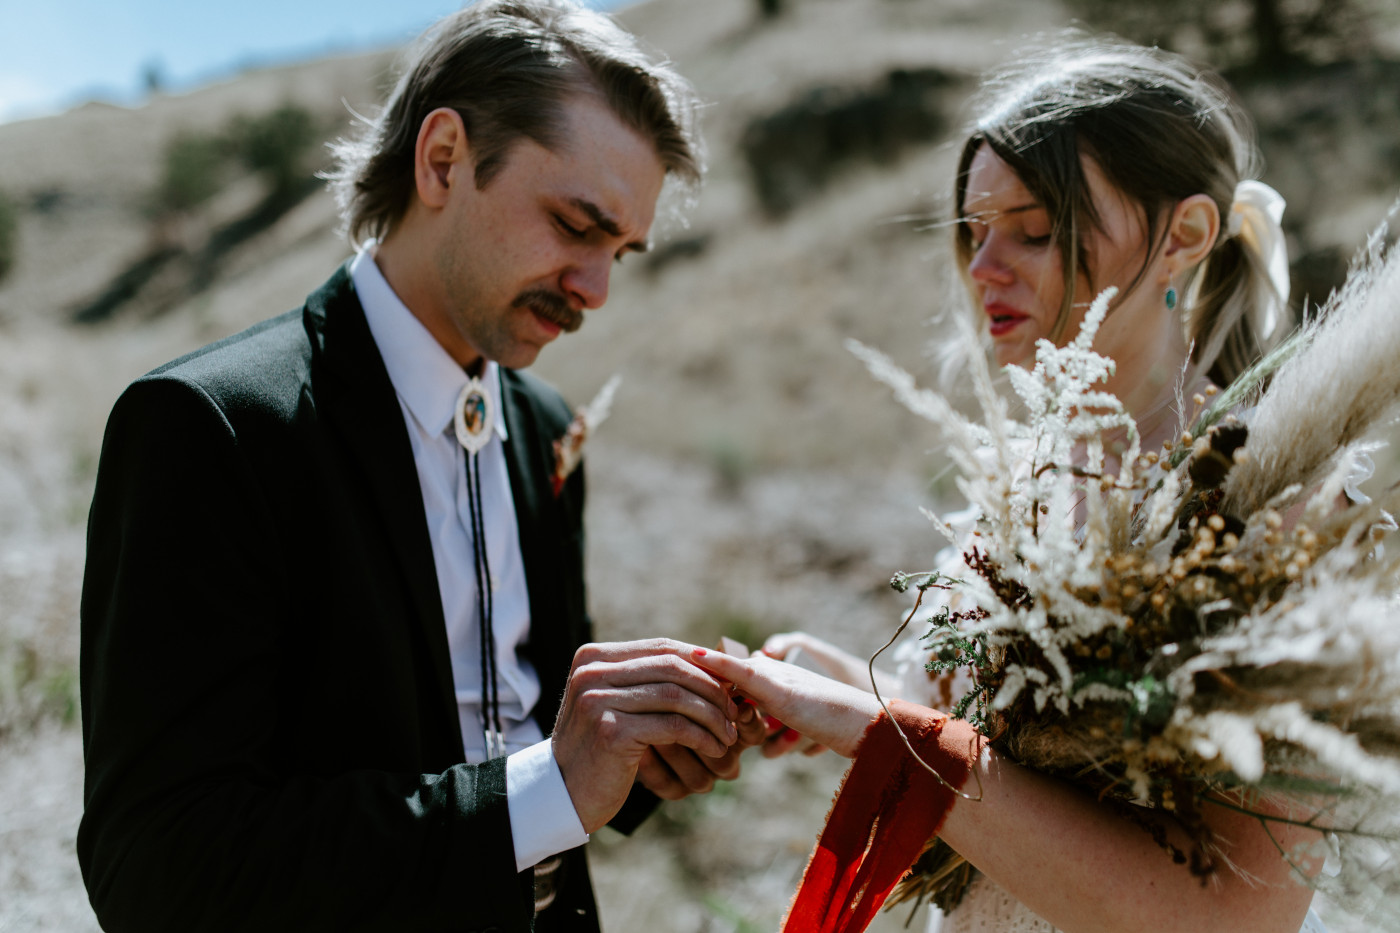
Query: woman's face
{"type": "Point", "coordinates": [1017, 273]}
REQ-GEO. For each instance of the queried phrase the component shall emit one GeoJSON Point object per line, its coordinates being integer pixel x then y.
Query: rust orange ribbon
{"type": "Point", "coordinates": [889, 806]}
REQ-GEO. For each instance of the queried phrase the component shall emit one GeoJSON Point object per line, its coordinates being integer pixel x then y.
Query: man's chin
{"type": "Point", "coordinates": [519, 355]}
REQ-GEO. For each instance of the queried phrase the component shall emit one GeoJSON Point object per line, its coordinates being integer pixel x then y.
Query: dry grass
{"type": "Point", "coordinates": [751, 478]}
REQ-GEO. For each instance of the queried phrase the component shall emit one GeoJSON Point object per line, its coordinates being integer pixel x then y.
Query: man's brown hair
{"type": "Point", "coordinates": [508, 67]}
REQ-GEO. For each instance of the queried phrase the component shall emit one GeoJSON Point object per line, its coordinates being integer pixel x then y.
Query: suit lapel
{"type": "Point", "coordinates": [359, 401]}
{"type": "Point", "coordinates": [529, 459]}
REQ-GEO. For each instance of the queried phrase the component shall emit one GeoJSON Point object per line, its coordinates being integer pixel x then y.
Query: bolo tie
{"type": "Point", "coordinates": [474, 421]}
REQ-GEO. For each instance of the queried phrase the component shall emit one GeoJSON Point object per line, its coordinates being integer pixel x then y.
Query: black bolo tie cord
{"type": "Point", "coordinates": [490, 694]}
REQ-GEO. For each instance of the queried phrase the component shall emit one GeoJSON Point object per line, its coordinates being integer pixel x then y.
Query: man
{"type": "Point", "coordinates": [327, 565]}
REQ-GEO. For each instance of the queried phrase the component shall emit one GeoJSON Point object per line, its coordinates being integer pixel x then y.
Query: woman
{"type": "Point", "coordinates": [1094, 165]}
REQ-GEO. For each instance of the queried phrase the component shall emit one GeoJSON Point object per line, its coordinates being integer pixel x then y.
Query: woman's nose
{"type": "Point", "coordinates": [988, 266]}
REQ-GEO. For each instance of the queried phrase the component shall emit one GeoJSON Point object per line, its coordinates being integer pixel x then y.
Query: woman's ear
{"type": "Point", "coordinates": [1191, 233]}
{"type": "Point", "coordinates": [441, 157]}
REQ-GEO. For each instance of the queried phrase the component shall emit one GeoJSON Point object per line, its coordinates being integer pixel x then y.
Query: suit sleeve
{"type": "Point", "coordinates": [190, 822]}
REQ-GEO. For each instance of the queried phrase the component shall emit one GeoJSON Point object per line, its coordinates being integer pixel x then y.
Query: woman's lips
{"type": "Point", "coordinates": [1003, 318]}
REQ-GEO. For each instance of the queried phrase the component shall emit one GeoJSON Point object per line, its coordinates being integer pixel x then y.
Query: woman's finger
{"type": "Point", "coordinates": [752, 729]}
{"type": "Point", "coordinates": [781, 743]}
{"type": "Point", "coordinates": [776, 646]}
{"type": "Point", "coordinates": [830, 712]}
{"type": "Point", "coordinates": [736, 671]}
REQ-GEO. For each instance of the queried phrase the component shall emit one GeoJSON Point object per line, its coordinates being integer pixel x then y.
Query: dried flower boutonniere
{"type": "Point", "coordinates": [568, 450]}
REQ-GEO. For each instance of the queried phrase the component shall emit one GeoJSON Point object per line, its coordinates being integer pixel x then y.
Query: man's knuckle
{"type": "Point", "coordinates": [590, 676]}
{"type": "Point", "coordinates": [590, 702]}
{"type": "Point", "coordinates": [674, 662]}
{"type": "Point", "coordinates": [606, 728]}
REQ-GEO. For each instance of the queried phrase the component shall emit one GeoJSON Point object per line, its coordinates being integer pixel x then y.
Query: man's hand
{"type": "Point", "coordinates": [622, 698]}
{"type": "Point", "coordinates": [674, 771]}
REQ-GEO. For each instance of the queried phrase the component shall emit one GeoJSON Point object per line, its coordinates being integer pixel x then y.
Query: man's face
{"type": "Point", "coordinates": [523, 258]}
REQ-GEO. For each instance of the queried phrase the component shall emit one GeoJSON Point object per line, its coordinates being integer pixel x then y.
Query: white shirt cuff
{"type": "Point", "coordinates": [543, 821]}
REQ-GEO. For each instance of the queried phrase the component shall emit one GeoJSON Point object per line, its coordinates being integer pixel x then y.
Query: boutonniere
{"type": "Point", "coordinates": [568, 450]}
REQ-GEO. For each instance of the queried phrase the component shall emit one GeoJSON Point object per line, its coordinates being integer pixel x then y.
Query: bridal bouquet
{"type": "Point", "coordinates": [1211, 624]}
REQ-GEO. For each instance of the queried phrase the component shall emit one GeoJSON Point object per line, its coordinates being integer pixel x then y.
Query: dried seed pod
{"type": "Point", "coordinates": [1214, 454]}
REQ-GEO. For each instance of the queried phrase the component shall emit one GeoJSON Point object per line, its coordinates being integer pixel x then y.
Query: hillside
{"type": "Point", "coordinates": [751, 479]}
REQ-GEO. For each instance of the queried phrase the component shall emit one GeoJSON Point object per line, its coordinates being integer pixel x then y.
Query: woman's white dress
{"type": "Point", "coordinates": [989, 908]}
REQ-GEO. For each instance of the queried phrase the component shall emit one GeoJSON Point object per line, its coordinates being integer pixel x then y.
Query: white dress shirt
{"type": "Point", "coordinates": [427, 382]}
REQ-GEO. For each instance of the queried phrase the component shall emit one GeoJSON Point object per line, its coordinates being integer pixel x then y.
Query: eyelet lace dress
{"type": "Point", "coordinates": [989, 908]}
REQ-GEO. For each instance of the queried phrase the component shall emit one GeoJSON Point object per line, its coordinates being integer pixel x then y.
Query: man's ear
{"type": "Point", "coordinates": [441, 157]}
{"type": "Point", "coordinates": [1191, 232]}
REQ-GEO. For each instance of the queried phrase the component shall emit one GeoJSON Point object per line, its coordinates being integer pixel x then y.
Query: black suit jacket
{"type": "Point", "coordinates": [269, 722]}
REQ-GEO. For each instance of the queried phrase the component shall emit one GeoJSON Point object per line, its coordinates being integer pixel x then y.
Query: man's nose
{"type": "Point", "coordinates": [585, 284]}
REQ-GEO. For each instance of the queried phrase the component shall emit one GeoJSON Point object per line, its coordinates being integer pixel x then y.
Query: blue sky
{"type": "Point", "coordinates": [58, 53]}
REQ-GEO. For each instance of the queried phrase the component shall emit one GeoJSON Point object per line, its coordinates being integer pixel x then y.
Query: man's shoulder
{"type": "Point", "coordinates": [258, 364]}
{"type": "Point", "coordinates": [269, 363]}
{"type": "Point", "coordinates": [276, 336]}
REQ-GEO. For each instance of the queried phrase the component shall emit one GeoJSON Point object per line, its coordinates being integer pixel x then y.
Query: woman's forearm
{"type": "Point", "coordinates": [1084, 867]}
{"type": "Point", "coordinates": [1073, 860]}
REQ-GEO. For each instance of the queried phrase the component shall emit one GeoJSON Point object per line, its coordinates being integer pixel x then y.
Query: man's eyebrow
{"type": "Point", "coordinates": [606, 223]}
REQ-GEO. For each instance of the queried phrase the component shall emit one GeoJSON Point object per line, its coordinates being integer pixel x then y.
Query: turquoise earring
{"type": "Point", "coordinates": [1170, 298]}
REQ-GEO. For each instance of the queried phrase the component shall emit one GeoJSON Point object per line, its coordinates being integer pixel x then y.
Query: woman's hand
{"type": "Point", "coordinates": [834, 662]}
{"type": "Point", "coordinates": [827, 711]}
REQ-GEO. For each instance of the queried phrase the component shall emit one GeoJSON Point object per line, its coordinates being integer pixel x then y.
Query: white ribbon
{"type": "Point", "coordinates": [1255, 217]}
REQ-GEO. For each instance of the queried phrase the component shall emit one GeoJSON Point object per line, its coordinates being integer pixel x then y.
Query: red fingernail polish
{"type": "Point", "coordinates": [772, 722]}
{"type": "Point", "coordinates": [700, 652]}
{"type": "Point", "coordinates": [791, 736]}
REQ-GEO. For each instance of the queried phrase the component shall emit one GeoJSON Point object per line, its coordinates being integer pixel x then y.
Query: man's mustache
{"type": "Point", "coordinates": [552, 307]}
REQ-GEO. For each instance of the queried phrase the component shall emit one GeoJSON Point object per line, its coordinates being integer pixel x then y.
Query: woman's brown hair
{"type": "Point", "coordinates": [1161, 130]}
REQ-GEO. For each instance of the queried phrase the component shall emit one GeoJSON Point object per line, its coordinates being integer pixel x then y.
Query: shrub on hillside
{"type": "Point", "coordinates": [796, 150]}
{"type": "Point", "coordinates": [193, 173]}
{"type": "Point", "coordinates": [9, 235]}
{"type": "Point", "coordinates": [1268, 37]}
{"type": "Point", "coordinates": [276, 144]}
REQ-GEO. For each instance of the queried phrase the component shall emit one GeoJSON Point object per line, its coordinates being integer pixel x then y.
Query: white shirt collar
{"type": "Point", "coordinates": [424, 375]}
